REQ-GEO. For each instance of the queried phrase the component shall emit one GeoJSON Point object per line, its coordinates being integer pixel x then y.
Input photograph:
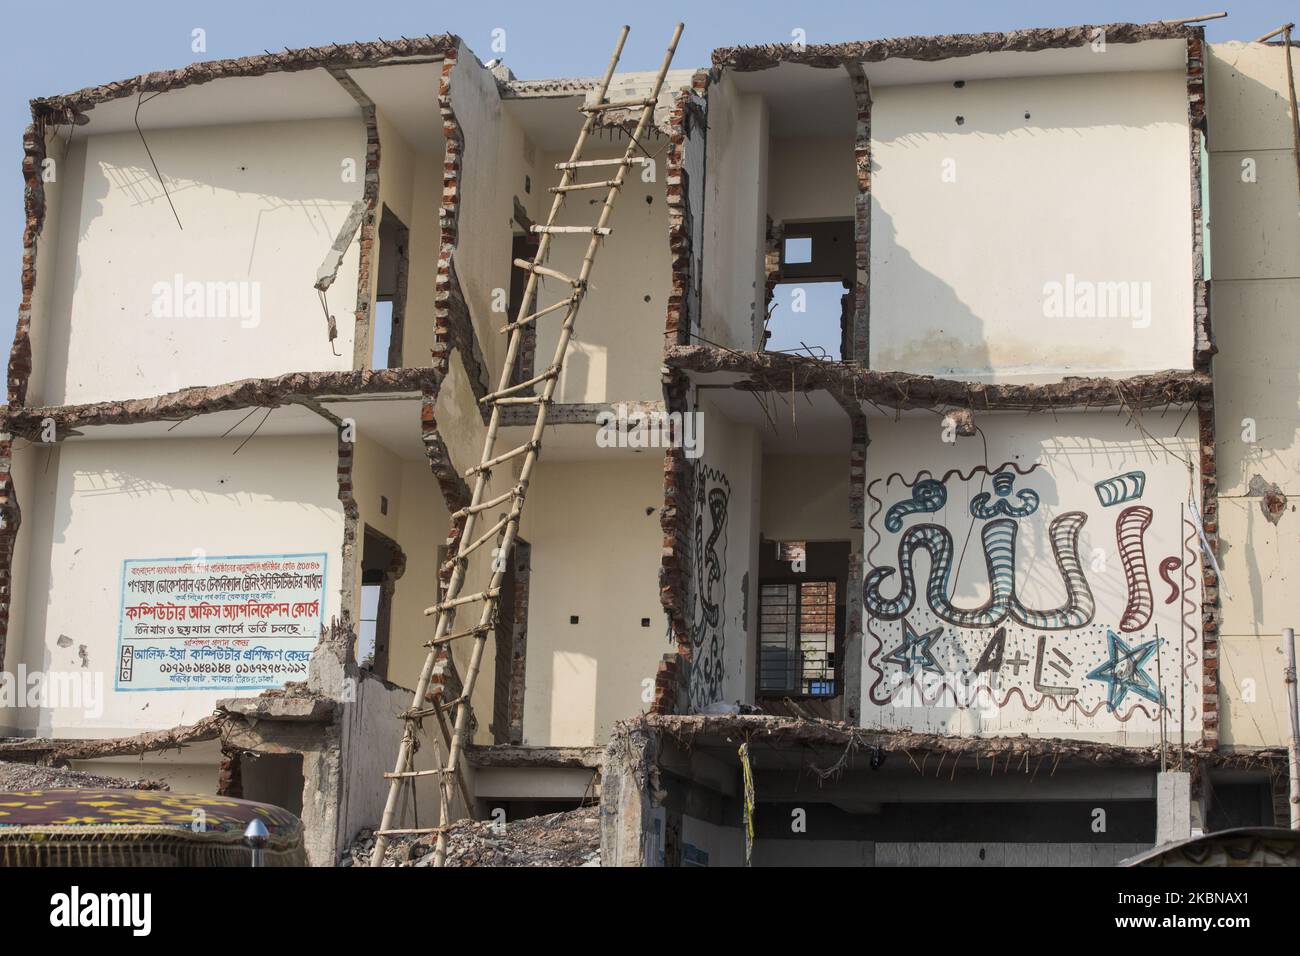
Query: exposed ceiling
{"type": "Point", "coordinates": [301, 95]}
{"type": "Point", "coordinates": [388, 420]}
{"type": "Point", "coordinates": [816, 101]}
{"type": "Point", "coordinates": [802, 423]}
{"type": "Point", "coordinates": [804, 100]}
{"type": "Point", "coordinates": [407, 95]}
{"type": "Point", "coordinates": [391, 421]}
{"type": "Point", "coordinates": [1115, 58]}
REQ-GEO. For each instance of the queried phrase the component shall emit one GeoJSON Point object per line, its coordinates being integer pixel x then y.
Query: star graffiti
{"type": "Point", "coordinates": [915, 649]}
{"type": "Point", "coordinates": [1123, 671]}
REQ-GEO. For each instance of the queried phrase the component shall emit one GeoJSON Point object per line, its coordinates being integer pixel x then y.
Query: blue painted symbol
{"type": "Point", "coordinates": [1123, 671]}
{"type": "Point", "coordinates": [1002, 482]}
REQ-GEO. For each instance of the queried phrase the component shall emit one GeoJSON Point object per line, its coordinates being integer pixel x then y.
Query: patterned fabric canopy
{"type": "Point", "coordinates": [139, 827]}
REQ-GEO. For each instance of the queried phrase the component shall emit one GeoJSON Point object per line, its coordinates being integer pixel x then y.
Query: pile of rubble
{"type": "Point", "coordinates": [571, 838]}
{"type": "Point", "coordinates": [25, 776]}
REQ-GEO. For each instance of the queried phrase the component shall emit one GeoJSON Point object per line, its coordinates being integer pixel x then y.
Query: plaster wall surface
{"type": "Point", "coordinates": [496, 161]}
{"type": "Point", "coordinates": [1011, 218]}
{"type": "Point", "coordinates": [811, 179]}
{"type": "Point", "coordinates": [260, 206]}
{"type": "Point", "coordinates": [1085, 633]}
{"type": "Point", "coordinates": [410, 184]}
{"type": "Point", "coordinates": [1255, 296]}
{"type": "Point", "coordinates": [595, 536]}
{"type": "Point", "coordinates": [618, 339]}
{"type": "Point", "coordinates": [735, 217]}
{"type": "Point", "coordinates": [723, 594]}
{"type": "Point", "coordinates": [805, 498]}
{"type": "Point", "coordinates": [111, 500]}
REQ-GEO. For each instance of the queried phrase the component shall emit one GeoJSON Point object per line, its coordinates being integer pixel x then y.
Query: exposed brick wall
{"type": "Point", "coordinates": [861, 221]}
{"type": "Point", "coordinates": [1210, 611]}
{"type": "Point", "coordinates": [10, 518]}
{"type": "Point", "coordinates": [686, 117]}
{"type": "Point", "coordinates": [20, 356]}
{"type": "Point", "coordinates": [443, 336]}
{"type": "Point", "coordinates": [1204, 350]}
{"type": "Point", "coordinates": [230, 778]}
{"type": "Point", "coordinates": [774, 235]}
{"type": "Point", "coordinates": [351, 515]}
{"type": "Point", "coordinates": [522, 558]}
{"type": "Point", "coordinates": [675, 557]}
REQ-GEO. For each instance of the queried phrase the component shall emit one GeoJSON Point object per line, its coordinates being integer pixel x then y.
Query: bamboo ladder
{"type": "Point", "coordinates": [507, 395]}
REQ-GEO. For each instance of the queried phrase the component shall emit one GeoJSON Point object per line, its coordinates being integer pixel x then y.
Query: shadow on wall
{"type": "Point", "coordinates": [218, 239]}
{"type": "Point", "coordinates": [958, 347]}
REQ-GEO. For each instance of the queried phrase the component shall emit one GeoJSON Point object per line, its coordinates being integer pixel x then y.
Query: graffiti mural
{"type": "Point", "coordinates": [1020, 598]}
{"type": "Point", "coordinates": [709, 601]}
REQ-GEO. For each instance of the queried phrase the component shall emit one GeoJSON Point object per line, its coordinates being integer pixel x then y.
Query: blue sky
{"type": "Point", "coordinates": [98, 42]}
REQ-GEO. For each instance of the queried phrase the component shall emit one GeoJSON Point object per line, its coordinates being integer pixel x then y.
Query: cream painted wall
{"type": "Point", "coordinates": [119, 499]}
{"type": "Point", "coordinates": [724, 593]}
{"type": "Point", "coordinates": [1255, 299]}
{"type": "Point", "coordinates": [1094, 185]}
{"type": "Point", "coordinates": [410, 184]}
{"type": "Point", "coordinates": [69, 168]}
{"type": "Point", "coordinates": [462, 430]}
{"type": "Point", "coordinates": [418, 521]}
{"type": "Point", "coordinates": [261, 205]}
{"type": "Point", "coordinates": [1073, 451]}
{"type": "Point", "coordinates": [812, 179]}
{"type": "Point", "coordinates": [806, 498]}
{"type": "Point", "coordinates": [735, 217]}
{"type": "Point", "coordinates": [617, 348]}
{"type": "Point", "coordinates": [595, 536]}
{"type": "Point", "coordinates": [497, 159]}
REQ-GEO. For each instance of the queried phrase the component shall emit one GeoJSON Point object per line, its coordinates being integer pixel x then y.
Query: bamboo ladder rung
{"type": "Point", "coordinates": [528, 319]}
{"type": "Point", "coordinates": [410, 774]}
{"type": "Point", "coordinates": [575, 187]}
{"type": "Point", "coordinates": [529, 266]}
{"type": "Point", "coordinates": [500, 459]}
{"type": "Point", "coordinates": [516, 492]}
{"type": "Point", "coordinates": [462, 601]}
{"type": "Point", "coordinates": [412, 831]}
{"type": "Point", "coordinates": [616, 105]}
{"type": "Point", "coordinates": [588, 163]}
{"type": "Point", "coordinates": [469, 632]}
{"type": "Point", "coordinates": [572, 230]}
{"type": "Point", "coordinates": [525, 400]}
{"type": "Point", "coordinates": [490, 397]}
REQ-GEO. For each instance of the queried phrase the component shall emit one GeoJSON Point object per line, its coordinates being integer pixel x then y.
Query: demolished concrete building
{"type": "Point", "coordinates": [974, 578]}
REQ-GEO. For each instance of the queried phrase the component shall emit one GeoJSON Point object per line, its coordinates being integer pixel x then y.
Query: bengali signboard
{"type": "Point", "coordinates": [236, 622]}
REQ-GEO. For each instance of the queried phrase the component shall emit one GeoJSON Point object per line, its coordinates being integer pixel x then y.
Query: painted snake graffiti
{"type": "Point", "coordinates": [1130, 530]}
{"type": "Point", "coordinates": [914, 655]}
{"type": "Point", "coordinates": [999, 538]}
{"type": "Point", "coordinates": [713, 492]}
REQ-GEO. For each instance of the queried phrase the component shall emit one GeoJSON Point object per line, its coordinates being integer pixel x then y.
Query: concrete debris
{"type": "Point", "coordinates": [25, 776]}
{"type": "Point", "coordinates": [1274, 503]}
{"type": "Point", "coordinates": [571, 838]}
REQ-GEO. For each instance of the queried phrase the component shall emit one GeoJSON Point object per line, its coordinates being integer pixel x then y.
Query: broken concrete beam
{"type": "Point", "coordinates": [312, 708]}
{"type": "Point", "coordinates": [185, 403]}
{"type": "Point", "coordinates": [781, 372]}
{"type": "Point", "coordinates": [49, 752]}
{"type": "Point", "coordinates": [834, 55]}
